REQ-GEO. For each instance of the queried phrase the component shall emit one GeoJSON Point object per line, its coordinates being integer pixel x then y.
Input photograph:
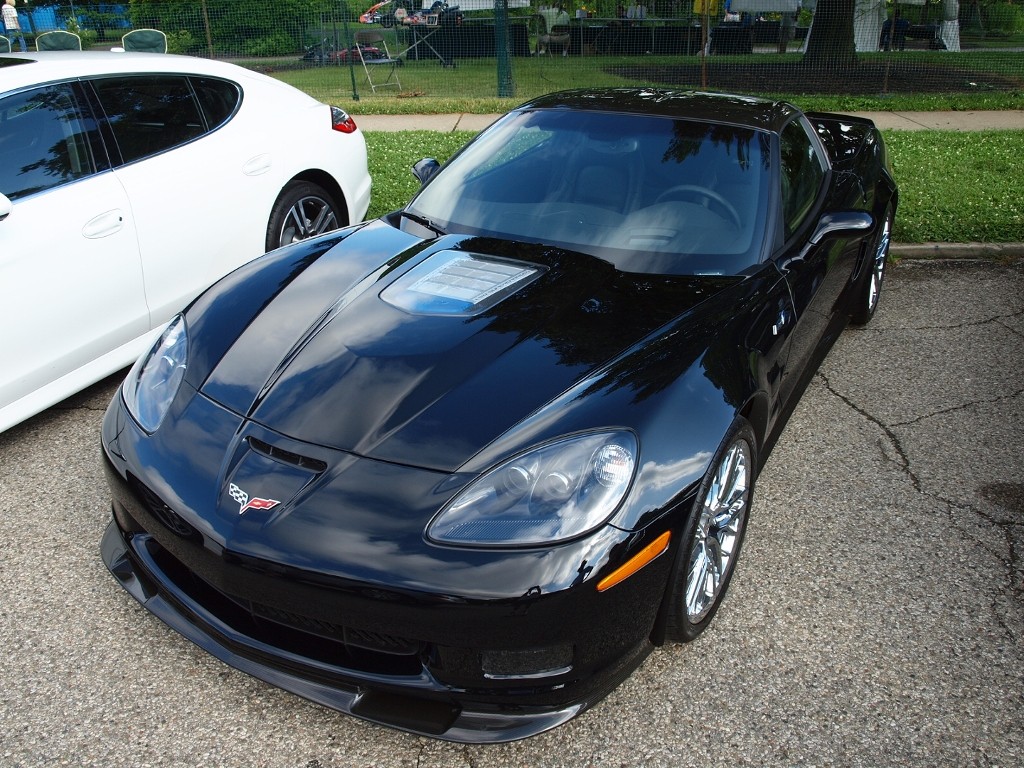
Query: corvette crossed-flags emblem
{"type": "Point", "coordinates": [245, 503]}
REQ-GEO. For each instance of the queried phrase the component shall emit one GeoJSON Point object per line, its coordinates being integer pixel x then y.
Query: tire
{"type": "Point", "coordinates": [713, 536]}
{"type": "Point", "coordinates": [302, 210]}
{"type": "Point", "coordinates": [867, 297]}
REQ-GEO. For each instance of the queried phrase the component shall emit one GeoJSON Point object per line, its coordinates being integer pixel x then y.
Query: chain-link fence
{"type": "Point", "coordinates": [484, 49]}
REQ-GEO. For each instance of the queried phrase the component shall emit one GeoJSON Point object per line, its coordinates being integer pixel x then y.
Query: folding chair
{"type": "Point", "coordinates": [5, 45]}
{"type": "Point", "coordinates": [560, 37]}
{"type": "Point", "coordinates": [370, 60]}
{"type": "Point", "coordinates": [58, 40]}
{"type": "Point", "coordinates": [145, 40]}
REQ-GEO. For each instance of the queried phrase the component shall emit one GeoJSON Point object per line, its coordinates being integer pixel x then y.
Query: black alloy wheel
{"type": "Point", "coordinates": [303, 210]}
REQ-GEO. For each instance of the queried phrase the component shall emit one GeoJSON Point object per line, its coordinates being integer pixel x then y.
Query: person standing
{"type": "Point", "coordinates": [12, 24]}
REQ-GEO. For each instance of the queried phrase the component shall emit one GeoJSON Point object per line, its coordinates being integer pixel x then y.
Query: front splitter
{"type": "Point", "coordinates": [376, 703]}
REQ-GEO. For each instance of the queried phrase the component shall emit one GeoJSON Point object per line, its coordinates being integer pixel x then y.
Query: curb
{"type": "Point", "coordinates": [957, 250]}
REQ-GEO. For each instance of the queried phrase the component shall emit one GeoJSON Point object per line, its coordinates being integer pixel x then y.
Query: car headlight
{"type": "Point", "coordinates": [549, 494]}
{"type": "Point", "coordinates": [155, 378]}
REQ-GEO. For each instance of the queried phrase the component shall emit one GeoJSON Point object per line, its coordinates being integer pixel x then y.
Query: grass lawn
{"type": "Point", "coordinates": [954, 187]}
{"type": "Point", "coordinates": [976, 80]}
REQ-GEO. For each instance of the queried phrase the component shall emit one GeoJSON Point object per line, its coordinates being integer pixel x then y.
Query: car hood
{"type": "Point", "coordinates": [366, 360]}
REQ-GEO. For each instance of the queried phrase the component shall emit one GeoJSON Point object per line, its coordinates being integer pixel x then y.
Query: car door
{"type": "Point", "coordinates": [184, 171]}
{"type": "Point", "coordinates": [769, 339]}
{"type": "Point", "coordinates": [69, 261]}
{"type": "Point", "coordinates": [817, 274]}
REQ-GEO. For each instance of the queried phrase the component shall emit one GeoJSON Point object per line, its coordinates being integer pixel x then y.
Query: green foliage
{"type": "Point", "coordinates": [472, 86]}
{"type": "Point", "coordinates": [959, 187]}
{"type": "Point", "coordinates": [1004, 17]}
{"type": "Point", "coordinates": [248, 27]}
{"type": "Point", "coordinates": [103, 24]}
{"type": "Point", "coordinates": [182, 42]}
{"type": "Point", "coordinates": [88, 36]}
{"type": "Point", "coordinates": [392, 156]}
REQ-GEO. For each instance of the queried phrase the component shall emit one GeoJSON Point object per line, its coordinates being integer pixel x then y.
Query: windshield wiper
{"type": "Point", "coordinates": [423, 221]}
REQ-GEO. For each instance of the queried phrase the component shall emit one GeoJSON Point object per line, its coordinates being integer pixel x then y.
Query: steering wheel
{"type": "Point", "coordinates": [693, 190]}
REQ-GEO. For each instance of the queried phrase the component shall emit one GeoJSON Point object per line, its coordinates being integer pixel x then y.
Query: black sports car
{"type": "Point", "coordinates": [459, 469]}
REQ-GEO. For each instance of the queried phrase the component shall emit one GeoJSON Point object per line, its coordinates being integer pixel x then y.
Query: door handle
{"type": "Point", "coordinates": [103, 225]}
{"type": "Point", "coordinates": [780, 323]}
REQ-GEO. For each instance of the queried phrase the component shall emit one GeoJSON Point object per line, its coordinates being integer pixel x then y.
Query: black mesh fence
{"type": "Point", "coordinates": [486, 50]}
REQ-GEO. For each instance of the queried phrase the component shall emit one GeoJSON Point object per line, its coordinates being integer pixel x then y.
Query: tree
{"type": "Point", "coordinates": [831, 45]}
{"type": "Point", "coordinates": [249, 27]}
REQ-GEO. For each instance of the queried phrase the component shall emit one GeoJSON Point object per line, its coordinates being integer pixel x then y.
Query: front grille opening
{"type": "Point", "coordinates": [163, 513]}
{"type": "Point", "coordinates": [373, 641]}
{"type": "Point", "coordinates": [249, 624]}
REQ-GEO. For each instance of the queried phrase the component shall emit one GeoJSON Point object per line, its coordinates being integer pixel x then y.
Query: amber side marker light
{"type": "Point", "coordinates": [636, 562]}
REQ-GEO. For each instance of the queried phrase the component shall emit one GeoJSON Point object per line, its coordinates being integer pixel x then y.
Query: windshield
{"type": "Point", "coordinates": [649, 194]}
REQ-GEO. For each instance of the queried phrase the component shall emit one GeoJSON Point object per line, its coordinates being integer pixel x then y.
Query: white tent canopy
{"type": "Point", "coordinates": [868, 17]}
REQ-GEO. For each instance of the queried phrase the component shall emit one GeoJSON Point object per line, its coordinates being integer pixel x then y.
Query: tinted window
{"type": "Point", "coordinates": [649, 194]}
{"type": "Point", "coordinates": [150, 114]}
{"type": "Point", "coordinates": [43, 141]}
{"type": "Point", "coordinates": [218, 98]}
{"type": "Point", "coordinates": [802, 175]}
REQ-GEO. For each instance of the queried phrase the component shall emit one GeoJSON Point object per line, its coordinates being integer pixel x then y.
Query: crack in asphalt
{"type": "Point", "coordinates": [904, 459]}
{"type": "Point", "coordinates": [1000, 320]}
{"type": "Point", "coordinates": [1010, 328]}
{"type": "Point", "coordinates": [80, 407]}
{"type": "Point", "coordinates": [1008, 554]}
{"type": "Point", "coordinates": [961, 407]}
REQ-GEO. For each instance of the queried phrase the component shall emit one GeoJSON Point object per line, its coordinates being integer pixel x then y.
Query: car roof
{"type": "Point", "coordinates": [732, 109]}
{"type": "Point", "coordinates": [19, 70]}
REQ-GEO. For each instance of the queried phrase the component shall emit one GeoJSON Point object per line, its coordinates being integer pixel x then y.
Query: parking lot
{"type": "Point", "coordinates": [876, 617]}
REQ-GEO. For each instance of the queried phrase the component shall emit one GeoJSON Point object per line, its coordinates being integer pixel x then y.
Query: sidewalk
{"type": "Point", "coordinates": [897, 121]}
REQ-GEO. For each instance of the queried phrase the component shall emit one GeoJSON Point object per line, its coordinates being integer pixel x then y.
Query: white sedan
{"type": "Point", "coordinates": [128, 184]}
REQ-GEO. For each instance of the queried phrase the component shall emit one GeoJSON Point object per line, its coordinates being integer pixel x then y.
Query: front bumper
{"type": "Point", "coordinates": [361, 698]}
{"type": "Point", "coordinates": [462, 668]}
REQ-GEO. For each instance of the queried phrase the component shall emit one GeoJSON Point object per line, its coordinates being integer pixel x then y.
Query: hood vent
{"type": "Point", "coordinates": [459, 284]}
{"type": "Point", "coordinates": [286, 457]}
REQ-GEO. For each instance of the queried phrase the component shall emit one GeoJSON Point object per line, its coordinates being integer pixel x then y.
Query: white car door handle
{"type": "Point", "coordinates": [103, 225]}
{"type": "Point", "coordinates": [257, 166]}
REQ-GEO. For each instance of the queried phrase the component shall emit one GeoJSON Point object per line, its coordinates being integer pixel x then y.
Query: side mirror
{"type": "Point", "coordinates": [425, 169]}
{"type": "Point", "coordinates": [842, 222]}
{"type": "Point", "coordinates": [6, 206]}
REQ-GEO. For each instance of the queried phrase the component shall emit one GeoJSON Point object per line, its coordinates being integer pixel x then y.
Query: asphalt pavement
{"type": "Point", "coordinates": [876, 618]}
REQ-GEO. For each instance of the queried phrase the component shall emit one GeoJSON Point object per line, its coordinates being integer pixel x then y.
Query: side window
{"type": "Point", "coordinates": [802, 174]}
{"type": "Point", "coordinates": [43, 141]}
{"type": "Point", "coordinates": [149, 114]}
{"type": "Point", "coordinates": [218, 98]}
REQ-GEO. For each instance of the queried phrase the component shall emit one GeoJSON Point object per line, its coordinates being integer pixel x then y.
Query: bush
{"type": "Point", "coordinates": [1004, 17]}
{"type": "Point", "coordinates": [182, 41]}
{"type": "Point", "coordinates": [88, 36]}
{"type": "Point", "coordinates": [278, 44]}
